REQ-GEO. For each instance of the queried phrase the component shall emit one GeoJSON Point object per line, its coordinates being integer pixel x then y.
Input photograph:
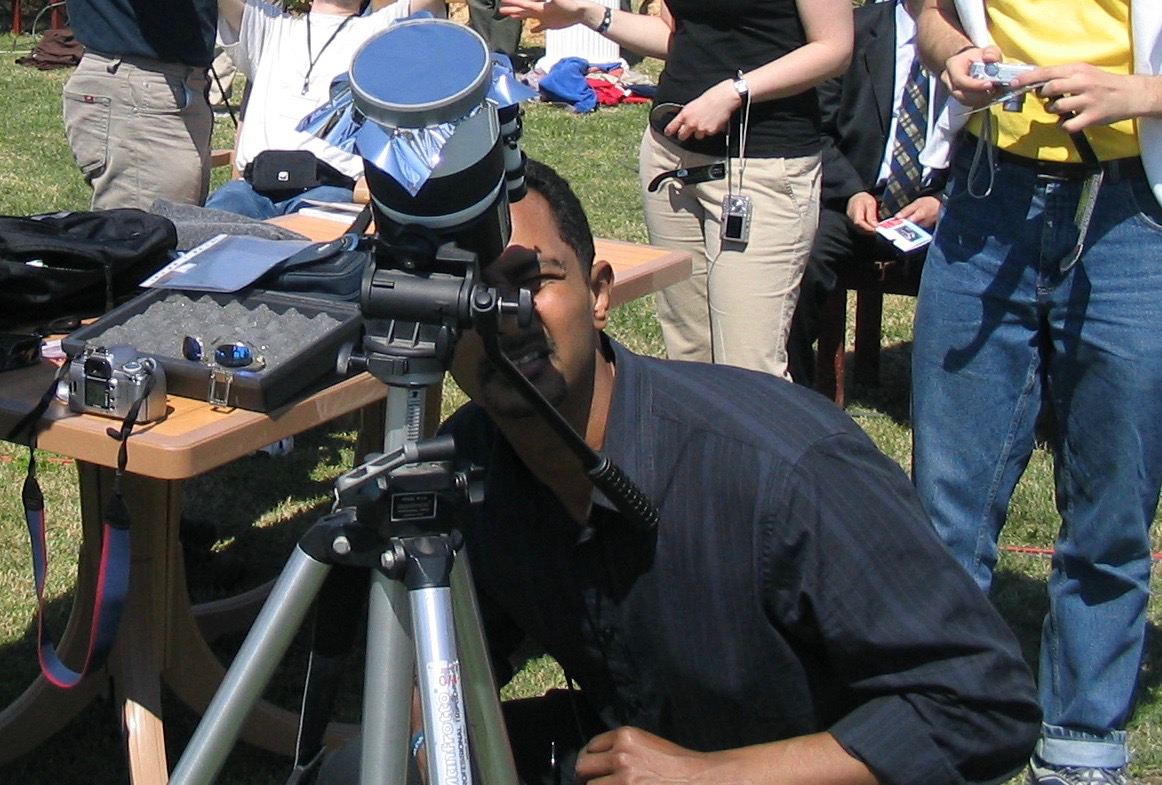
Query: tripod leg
{"type": "Point", "coordinates": [263, 649]}
{"type": "Point", "coordinates": [440, 686]}
{"type": "Point", "coordinates": [490, 744]}
{"type": "Point", "coordinates": [387, 691]}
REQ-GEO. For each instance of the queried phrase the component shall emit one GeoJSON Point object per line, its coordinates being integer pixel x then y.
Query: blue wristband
{"type": "Point", "coordinates": [417, 742]}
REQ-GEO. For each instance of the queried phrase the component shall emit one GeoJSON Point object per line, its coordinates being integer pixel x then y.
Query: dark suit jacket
{"type": "Point", "coordinates": [856, 109]}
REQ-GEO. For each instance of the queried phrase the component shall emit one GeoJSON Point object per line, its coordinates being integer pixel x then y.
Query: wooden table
{"type": "Point", "coordinates": [162, 638]}
{"type": "Point", "coordinates": [638, 269]}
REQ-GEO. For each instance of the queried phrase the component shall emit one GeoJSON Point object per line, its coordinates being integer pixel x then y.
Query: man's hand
{"type": "Point", "coordinates": [923, 211]}
{"type": "Point", "coordinates": [1086, 95]}
{"type": "Point", "coordinates": [631, 755]}
{"type": "Point", "coordinates": [863, 210]}
{"type": "Point", "coordinates": [707, 114]}
{"type": "Point", "coordinates": [963, 87]}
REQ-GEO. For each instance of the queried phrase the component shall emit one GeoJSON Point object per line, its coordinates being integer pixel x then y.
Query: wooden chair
{"type": "Point", "coordinates": [869, 282]}
{"type": "Point", "coordinates": [56, 20]}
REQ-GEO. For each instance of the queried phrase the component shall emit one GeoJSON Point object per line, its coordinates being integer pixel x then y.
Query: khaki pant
{"type": "Point", "coordinates": [139, 130]}
{"type": "Point", "coordinates": [737, 305]}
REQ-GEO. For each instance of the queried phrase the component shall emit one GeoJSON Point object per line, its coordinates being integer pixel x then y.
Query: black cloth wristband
{"type": "Point", "coordinates": [605, 20]}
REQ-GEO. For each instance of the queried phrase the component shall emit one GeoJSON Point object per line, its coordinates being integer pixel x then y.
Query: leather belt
{"type": "Point", "coordinates": [1113, 171]}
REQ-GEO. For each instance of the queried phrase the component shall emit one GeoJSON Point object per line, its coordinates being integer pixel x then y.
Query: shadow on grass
{"type": "Point", "coordinates": [891, 396]}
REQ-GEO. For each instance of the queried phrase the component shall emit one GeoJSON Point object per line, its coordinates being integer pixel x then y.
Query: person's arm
{"type": "Point", "coordinates": [948, 53]}
{"type": "Point", "coordinates": [936, 688]}
{"type": "Point", "coordinates": [643, 33]}
{"type": "Point", "coordinates": [842, 188]}
{"type": "Point", "coordinates": [231, 12]}
{"type": "Point", "coordinates": [830, 35]}
{"type": "Point", "coordinates": [437, 8]}
{"type": "Point", "coordinates": [632, 754]}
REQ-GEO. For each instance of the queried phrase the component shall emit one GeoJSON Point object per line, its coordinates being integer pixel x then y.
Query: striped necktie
{"type": "Point", "coordinates": [904, 172]}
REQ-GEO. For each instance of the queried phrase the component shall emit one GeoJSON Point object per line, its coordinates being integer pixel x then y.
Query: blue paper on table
{"type": "Point", "coordinates": [225, 263]}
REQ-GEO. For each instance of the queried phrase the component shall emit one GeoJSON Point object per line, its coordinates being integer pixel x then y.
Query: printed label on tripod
{"type": "Point", "coordinates": [413, 506]}
{"type": "Point", "coordinates": [448, 759]}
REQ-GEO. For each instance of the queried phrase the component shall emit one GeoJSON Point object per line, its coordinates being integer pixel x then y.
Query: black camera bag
{"type": "Point", "coordinates": [283, 173]}
{"type": "Point", "coordinates": [77, 263]}
{"type": "Point", "coordinates": [333, 270]}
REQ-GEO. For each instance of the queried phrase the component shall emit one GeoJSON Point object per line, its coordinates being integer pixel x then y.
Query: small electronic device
{"type": "Point", "coordinates": [736, 215]}
{"type": "Point", "coordinates": [109, 381]}
{"type": "Point", "coordinates": [1001, 74]}
{"type": "Point", "coordinates": [18, 350]}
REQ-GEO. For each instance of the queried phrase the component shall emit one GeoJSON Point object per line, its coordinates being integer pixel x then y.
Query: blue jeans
{"type": "Point", "coordinates": [237, 196]}
{"type": "Point", "coordinates": [1001, 330]}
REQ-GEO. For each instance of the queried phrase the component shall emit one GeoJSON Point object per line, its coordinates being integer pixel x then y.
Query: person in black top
{"type": "Point", "coordinates": [738, 85]}
{"type": "Point", "coordinates": [792, 618]}
{"type": "Point", "coordinates": [135, 109]}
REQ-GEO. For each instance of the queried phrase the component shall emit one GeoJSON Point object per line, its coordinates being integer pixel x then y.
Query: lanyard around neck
{"type": "Point", "coordinates": [312, 58]}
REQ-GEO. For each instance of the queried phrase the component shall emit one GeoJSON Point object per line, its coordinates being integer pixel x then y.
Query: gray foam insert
{"type": "Point", "coordinates": [278, 331]}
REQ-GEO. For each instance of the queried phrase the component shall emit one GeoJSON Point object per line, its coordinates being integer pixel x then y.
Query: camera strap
{"type": "Point", "coordinates": [743, 127]}
{"type": "Point", "coordinates": [1088, 198]}
{"type": "Point", "coordinates": [113, 570]}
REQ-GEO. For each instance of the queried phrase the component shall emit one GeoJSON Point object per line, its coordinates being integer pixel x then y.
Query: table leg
{"type": "Point", "coordinates": [136, 660]}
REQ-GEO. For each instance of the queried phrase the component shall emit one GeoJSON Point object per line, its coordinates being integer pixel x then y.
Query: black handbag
{"type": "Point", "coordinates": [283, 171]}
{"type": "Point", "coordinates": [77, 263]}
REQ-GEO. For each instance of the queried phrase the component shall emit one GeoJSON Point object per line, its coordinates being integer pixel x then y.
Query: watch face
{"type": "Point", "coordinates": [741, 87]}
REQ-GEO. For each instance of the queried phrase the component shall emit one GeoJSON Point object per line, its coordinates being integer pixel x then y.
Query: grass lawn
{"type": "Point", "coordinates": [260, 506]}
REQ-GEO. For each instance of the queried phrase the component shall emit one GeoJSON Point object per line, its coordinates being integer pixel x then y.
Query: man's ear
{"type": "Point", "coordinates": [600, 287]}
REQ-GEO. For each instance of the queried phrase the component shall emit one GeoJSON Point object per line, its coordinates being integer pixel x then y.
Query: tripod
{"type": "Point", "coordinates": [399, 528]}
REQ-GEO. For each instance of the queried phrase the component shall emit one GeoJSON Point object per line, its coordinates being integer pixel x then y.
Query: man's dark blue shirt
{"type": "Point", "coordinates": [792, 586]}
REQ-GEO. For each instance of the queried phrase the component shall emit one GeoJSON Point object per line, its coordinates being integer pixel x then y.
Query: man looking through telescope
{"type": "Point", "coordinates": [792, 618]}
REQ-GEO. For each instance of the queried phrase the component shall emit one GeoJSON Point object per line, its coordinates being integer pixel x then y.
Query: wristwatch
{"type": "Point", "coordinates": [741, 87]}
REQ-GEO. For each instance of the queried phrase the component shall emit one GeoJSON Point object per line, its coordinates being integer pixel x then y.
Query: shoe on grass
{"type": "Point", "coordinates": [1042, 773]}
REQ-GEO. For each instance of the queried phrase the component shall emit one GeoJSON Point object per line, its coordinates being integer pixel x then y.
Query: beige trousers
{"type": "Point", "coordinates": [737, 305]}
{"type": "Point", "coordinates": [139, 130]}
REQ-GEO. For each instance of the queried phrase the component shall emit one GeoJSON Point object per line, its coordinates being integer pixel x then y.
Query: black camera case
{"type": "Point", "coordinates": [299, 336]}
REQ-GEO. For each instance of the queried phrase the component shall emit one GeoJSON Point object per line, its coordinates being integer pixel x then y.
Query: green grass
{"type": "Point", "coordinates": [256, 529]}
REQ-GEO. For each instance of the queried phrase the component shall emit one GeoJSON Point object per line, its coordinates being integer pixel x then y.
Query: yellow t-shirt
{"type": "Point", "coordinates": [1052, 32]}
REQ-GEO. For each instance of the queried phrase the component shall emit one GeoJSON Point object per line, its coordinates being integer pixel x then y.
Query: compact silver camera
{"type": "Point", "coordinates": [1000, 74]}
{"type": "Point", "coordinates": [109, 381]}
{"type": "Point", "coordinates": [736, 213]}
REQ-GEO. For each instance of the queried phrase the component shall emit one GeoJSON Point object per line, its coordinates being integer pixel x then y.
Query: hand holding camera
{"type": "Point", "coordinates": [1002, 75]}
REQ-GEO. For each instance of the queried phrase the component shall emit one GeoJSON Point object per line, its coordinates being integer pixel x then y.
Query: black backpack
{"type": "Point", "coordinates": [77, 263]}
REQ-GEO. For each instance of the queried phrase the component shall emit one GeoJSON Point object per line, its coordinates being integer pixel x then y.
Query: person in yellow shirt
{"type": "Point", "coordinates": [1041, 297]}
